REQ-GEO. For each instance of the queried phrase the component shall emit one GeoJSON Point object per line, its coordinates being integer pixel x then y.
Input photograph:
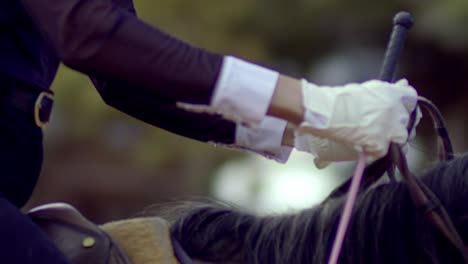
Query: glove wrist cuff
{"type": "Point", "coordinates": [318, 105]}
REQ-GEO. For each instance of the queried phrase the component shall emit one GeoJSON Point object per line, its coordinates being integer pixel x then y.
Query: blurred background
{"type": "Point", "coordinates": [111, 166]}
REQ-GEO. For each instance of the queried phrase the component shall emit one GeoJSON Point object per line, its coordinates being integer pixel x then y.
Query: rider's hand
{"type": "Point", "coordinates": [327, 151]}
{"type": "Point", "coordinates": [355, 117]}
{"type": "Point", "coordinates": [324, 150]}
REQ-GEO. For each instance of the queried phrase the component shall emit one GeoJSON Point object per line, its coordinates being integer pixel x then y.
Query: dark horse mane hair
{"type": "Point", "coordinates": [385, 228]}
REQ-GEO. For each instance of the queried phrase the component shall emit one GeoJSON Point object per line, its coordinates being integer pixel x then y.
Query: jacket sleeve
{"type": "Point", "coordinates": [164, 113]}
{"type": "Point", "coordinates": [103, 38]}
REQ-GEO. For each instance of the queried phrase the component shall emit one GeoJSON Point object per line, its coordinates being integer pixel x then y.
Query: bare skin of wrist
{"type": "Point", "coordinates": [286, 102]}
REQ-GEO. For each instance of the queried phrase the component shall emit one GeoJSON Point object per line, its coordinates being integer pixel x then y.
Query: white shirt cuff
{"type": "Point", "coordinates": [264, 139]}
{"type": "Point", "coordinates": [243, 91]}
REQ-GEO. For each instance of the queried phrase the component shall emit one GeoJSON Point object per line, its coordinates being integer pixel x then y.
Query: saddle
{"type": "Point", "coordinates": [134, 241]}
{"type": "Point", "coordinates": [80, 240]}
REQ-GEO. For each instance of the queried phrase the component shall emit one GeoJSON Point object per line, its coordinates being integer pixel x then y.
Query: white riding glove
{"type": "Point", "coordinates": [327, 151]}
{"type": "Point", "coordinates": [324, 150]}
{"type": "Point", "coordinates": [356, 117]}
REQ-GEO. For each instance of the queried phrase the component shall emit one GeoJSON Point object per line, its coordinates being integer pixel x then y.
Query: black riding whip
{"type": "Point", "coordinates": [402, 22]}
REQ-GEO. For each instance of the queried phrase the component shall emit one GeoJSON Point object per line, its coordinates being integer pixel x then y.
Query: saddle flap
{"type": "Point", "coordinates": [76, 237]}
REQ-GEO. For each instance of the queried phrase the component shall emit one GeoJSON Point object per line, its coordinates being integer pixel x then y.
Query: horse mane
{"type": "Point", "coordinates": [386, 227]}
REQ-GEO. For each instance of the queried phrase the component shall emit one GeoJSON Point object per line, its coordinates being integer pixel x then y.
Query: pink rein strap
{"type": "Point", "coordinates": [348, 209]}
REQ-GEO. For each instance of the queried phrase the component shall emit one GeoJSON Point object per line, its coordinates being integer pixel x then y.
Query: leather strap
{"type": "Point", "coordinates": [36, 105]}
{"type": "Point", "coordinates": [34, 102]}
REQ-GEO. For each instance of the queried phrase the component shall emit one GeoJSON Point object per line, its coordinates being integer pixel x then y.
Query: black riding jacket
{"type": "Point", "coordinates": [136, 68]}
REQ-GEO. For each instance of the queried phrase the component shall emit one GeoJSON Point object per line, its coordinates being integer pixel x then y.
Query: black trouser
{"type": "Point", "coordinates": [21, 241]}
{"type": "Point", "coordinates": [20, 154]}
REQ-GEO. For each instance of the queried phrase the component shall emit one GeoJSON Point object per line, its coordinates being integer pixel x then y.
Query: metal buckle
{"type": "Point", "coordinates": [39, 106]}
